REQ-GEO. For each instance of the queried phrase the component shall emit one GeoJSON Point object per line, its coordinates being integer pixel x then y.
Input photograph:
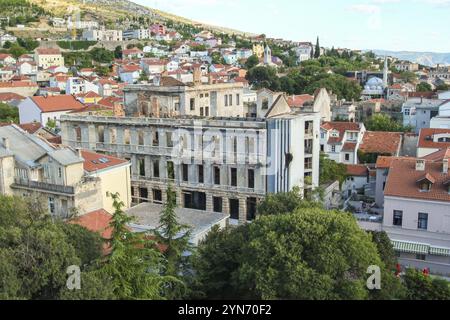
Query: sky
{"type": "Point", "coordinates": [399, 25]}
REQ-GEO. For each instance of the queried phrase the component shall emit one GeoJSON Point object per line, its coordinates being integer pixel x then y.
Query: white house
{"type": "Point", "coordinates": [42, 109]}
{"type": "Point", "coordinates": [357, 179]}
{"type": "Point", "coordinates": [7, 59]}
{"type": "Point", "coordinates": [341, 140]}
{"type": "Point", "coordinates": [76, 85]}
{"type": "Point", "coordinates": [130, 73]}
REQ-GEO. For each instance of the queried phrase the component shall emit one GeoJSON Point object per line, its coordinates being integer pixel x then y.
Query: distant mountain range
{"type": "Point", "coordinates": [424, 58]}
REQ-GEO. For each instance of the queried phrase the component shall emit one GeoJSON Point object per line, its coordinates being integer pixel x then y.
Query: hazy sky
{"type": "Point", "coordinates": [416, 25]}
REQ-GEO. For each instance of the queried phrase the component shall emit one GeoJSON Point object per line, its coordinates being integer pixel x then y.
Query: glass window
{"type": "Point", "coordinates": [398, 218]}
{"type": "Point", "coordinates": [423, 221]}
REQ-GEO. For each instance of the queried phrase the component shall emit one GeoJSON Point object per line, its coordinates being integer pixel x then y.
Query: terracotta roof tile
{"type": "Point", "coordinates": [357, 170]}
{"type": "Point", "coordinates": [403, 180]}
{"type": "Point", "coordinates": [97, 162]}
{"type": "Point", "coordinates": [57, 103]}
{"type": "Point", "coordinates": [383, 143]}
{"type": "Point", "coordinates": [426, 139]}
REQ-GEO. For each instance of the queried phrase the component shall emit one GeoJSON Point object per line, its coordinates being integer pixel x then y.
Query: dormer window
{"type": "Point", "coordinates": [426, 183]}
{"type": "Point", "coordinates": [335, 134]}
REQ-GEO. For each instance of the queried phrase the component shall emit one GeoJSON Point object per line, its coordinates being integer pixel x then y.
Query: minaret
{"type": "Point", "coordinates": [385, 73]}
{"type": "Point", "coordinates": [267, 55]}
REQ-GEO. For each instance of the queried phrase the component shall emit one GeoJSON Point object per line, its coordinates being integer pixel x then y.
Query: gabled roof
{"type": "Point", "coordinates": [57, 103]}
{"type": "Point", "coordinates": [403, 180]}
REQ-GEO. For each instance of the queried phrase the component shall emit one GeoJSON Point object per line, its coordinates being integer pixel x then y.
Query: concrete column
{"type": "Point", "coordinates": [148, 166]}
{"type": "Point", "coordinates": [209, 203]}
{"type": "Point", "coordinates": [134, 165]}
{"type": "Point", "coordinates": [225, 205]}
{"type": "Point", "coordinates": [179, 197]}
{"type": "Point", "coordinates": [243, 210]}
{"type": "Point", "coordinates": [92, 137]}
{"type": "Point", "coordinates": [242, 176]}
{"type": "Point", "coordinates": [107, 135]}
{"type": "Point", "coordinates": [148, 138]}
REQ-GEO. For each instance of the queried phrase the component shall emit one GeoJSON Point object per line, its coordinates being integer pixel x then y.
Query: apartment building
{"type": "Point", "coordinates": [32, 167]}
{"type": "Point", "coordinates": [224, 165]}
{"type": "Point", "coordinates": [167, 97]}
{"type": "Point", "coordinates": [432, 140]}
{"type": "Point", "coordinates": [418, 112]}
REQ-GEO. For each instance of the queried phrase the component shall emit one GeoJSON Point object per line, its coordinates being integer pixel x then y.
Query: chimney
{"type": "Point", "coordinates": [6, 143]}
{"type": "Point", "coordinates": [420, 165]}
{"type": "Point", "coordinates": [445, 166]}
{"type": "Point", "coordinates": [80, 154]}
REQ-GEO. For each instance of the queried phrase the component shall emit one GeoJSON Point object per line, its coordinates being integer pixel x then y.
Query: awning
{"type": "Point", "coordinates": [410, 247]}
{"type": "Point", "coordinates": [437, 251]}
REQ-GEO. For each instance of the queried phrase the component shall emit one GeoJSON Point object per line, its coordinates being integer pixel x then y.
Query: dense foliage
{"type": "Point", "coordinates": [383, 122]}
{"type": "Point", "coordinates": [8, 113]}
{"type": "Point", "coordinates": [331, 171]}
{"type": "Point", "coordinates": [308, 254]}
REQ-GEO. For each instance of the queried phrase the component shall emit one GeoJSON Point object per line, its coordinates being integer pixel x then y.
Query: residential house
{"type": "Point", "coordinates": [23, 88]}
{"type": "Point", "coordinates": [68, 181]}
{"type": "Point", "coordinates": [102, 35]}
{"type": "Point", "coordinates": [378, 143]}
{"type": "Point", "coordinates": [356, 180]}
{"type": "Point", "coordinates": [42, 109]}
{"type": "Point", "coordinates": [7, 59]}
{"type": "Point", "coordinates": [133, 53]}
{"type": "Point", "coordinates": [47, 57]}
{"type": "Point", "coordinates": [432, 140]}
{"type": "Point", "coordinates": [129, 73]}
{"type": "Point", "coordinates": [340, 141]}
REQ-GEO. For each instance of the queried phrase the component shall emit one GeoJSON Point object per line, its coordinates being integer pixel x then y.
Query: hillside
{"type": "Point", "coordinates": [106, 11]}
{"type": "Point", "coordinates": [424, 58]}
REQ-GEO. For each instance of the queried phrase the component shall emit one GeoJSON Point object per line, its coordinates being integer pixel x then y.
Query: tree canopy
{"type": "Point", "coordinates": [308, 254]}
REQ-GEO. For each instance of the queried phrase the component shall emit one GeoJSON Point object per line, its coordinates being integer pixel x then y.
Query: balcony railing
{"type": "Point", "coordinates": [20, 182]}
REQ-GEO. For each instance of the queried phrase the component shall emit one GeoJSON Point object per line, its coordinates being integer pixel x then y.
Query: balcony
{"type": "Point", "coordinates": [36, 185]}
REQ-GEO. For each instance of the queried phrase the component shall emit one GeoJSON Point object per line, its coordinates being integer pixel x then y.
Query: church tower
{"type": "Point", "coordinates": [267, 55]}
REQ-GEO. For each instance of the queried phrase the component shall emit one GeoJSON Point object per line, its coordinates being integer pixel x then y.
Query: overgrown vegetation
{"type": "Point", "coordinates": [76, 45]}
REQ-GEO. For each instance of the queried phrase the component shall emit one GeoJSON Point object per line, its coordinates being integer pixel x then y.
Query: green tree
{"type": "Point", "coordinates": [251, 62]}
{"type": "Point", "coordinates": [17, 50]}
{"type": "Point", "coordinates": [317, 49]}
{"type": "Point", "coordinates": [408, 76]}
{"type": "Point", "coordinates": [424, 87]}
{"type": "Point", "coordinates": [383, 122]}
{"type": "Point", "coordinates": [263, 77]}
{"type": "Point", "coordinates": [175, 238]}
{"type": "Point", "coordinates": [442, 87]}
{"type": "Point", "coordinates": [102, 55]}
{"type": "Point", "coordinates": [423, 287]}
{"type": "Point", "coordinates": [308, 254]}
{"type": "Point", "coordinates": [8, 113]}
{"type": "Point", "coordinates": [217, 58]}
{"type": "Point", "coordinates": [28, 44]}
{"type": "Point", "coordinates": [134, 265]}
{"type": "Point", "coordinates": [331, 171]}
{"type": "Point", "coordinates": [118, 52]}
{"type": "Point", "coordinates": [285, 202]}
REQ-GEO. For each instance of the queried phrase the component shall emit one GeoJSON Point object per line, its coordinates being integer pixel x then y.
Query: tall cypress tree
{"type": "Point", "coordinates": [175, 237]}
{"type": "Point", "coordinates": [317, 50]}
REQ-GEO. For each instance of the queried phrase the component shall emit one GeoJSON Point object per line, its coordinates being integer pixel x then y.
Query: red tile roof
{"type": "Point", "coordinates": [403, 180]}
{"type": "Point", "coordinates": [96, 221]}
{"type": "Point", "coordinates": [110, 101]}
{"type": "Point", "coordinates": [97, 162]}
{"type": "Point", "coordinates": [298, 101]}
{"type": "Point", "coordinates": [48, 51]}
{"type": "Point", "coordinates": [9, 96]}
{"type": "Point", "coordinates": [57, 103]}
{"type": "Point", "coordinates": [342, 127]}
{"type": "Point", "coordinates": [426, 139]}
{"type": "Point", "coordinates": [349, 146]}
{"type": "Point", "coordinates": [383, 143]}
{"type": "Point", "coordinates": [357, 170]}
{"type": "Point", "coordinates": [438, 155]}
{"type": "Point", "coordinates": [384, 162]}
{"type": "Point", "coordinates": [18, 84]}
{"type": "Point", "coordinates": [31, 127]}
